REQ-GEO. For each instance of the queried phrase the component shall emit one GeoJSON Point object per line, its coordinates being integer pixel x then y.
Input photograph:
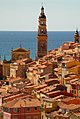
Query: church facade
{"type": "Point", "coordinates": [19, 53]}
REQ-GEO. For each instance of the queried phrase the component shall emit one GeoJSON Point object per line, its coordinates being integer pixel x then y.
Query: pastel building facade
{"type": "Point", "coordinates": [19, 53]}
{"type": "Point", "coordinates": [22, 109]}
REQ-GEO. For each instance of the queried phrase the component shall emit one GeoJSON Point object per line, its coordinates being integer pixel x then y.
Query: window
{"type": "Point", "coordinates": [74, 86]}
{"type": "Point", "coordinates": [42, 105]}
{"type": "Point", "coordinates": [6, 109]}
{"type": "Point", "coordinates": [35, 108]}
{"type": "Point", "coordinates": [63, 65]}
{"type": "Point", "coordinates": [28, 109]}
{"type": "Point", "coordinates": [74, 91]}
{"type": "Point", "coordinates": [15, 110]}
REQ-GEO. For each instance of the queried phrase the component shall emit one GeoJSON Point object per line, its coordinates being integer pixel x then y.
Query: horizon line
{"type": "Point", "coordinates": [35, 30]}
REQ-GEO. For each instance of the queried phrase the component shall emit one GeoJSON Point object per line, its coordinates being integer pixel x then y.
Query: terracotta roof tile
{"type": "Point", "coordinates": [27, 102]}
{"type": "Point", "coordinates": [70, 106]}
{"type": "Point", "coordinates": [40, 87]}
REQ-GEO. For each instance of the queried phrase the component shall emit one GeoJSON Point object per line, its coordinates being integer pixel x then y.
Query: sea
{"type": "Point", "coordinates": [28, 39]}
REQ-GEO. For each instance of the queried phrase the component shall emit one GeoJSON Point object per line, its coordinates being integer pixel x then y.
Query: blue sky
{"type": "Point", "coordinates": [23, 14]}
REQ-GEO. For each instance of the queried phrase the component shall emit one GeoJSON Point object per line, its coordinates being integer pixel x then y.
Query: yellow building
{"type": "Point", "coordinates": [70, 67]}
{"type": "Point", "coordinates": [19, 53]}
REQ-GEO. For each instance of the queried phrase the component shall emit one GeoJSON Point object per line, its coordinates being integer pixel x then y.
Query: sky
{"type": "Point", "coordinates": [22, 15]}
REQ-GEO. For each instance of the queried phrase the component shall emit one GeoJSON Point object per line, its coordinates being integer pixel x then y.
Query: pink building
{"type": "Point", "coordinates": [22, 109]}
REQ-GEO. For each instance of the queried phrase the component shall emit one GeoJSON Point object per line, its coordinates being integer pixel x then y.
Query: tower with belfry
{"type": "Point", "coordinates": [42, 35]}
{"type": "Point", "coordinates": [76, 37]}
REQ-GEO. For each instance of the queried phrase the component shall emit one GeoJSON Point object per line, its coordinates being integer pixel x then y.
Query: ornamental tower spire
{"type": "Point", "coordinates": [42, 35]}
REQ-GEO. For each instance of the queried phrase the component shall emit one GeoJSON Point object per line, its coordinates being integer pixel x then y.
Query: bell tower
{"type": "Point", "coordinates": [76, 37]}
{"type": "Point", "coordinates": [42, 35]}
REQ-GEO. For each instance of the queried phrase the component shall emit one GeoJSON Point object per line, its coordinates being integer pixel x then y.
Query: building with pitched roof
{"type": "Point", "coordinates": [27, 108]}
{"type": "Point", "coordinates": [19, 53]}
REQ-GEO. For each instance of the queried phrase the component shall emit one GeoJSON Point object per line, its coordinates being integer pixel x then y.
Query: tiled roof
{"type": "Point", "coordinates": [40, 87]}
{"type": "Point", "coordinates": [14, 79]}
{"type": "Point", "coordinates": [52, 80]}
{"type": "Point", "coordinates": [19, 50]}
{"type": "Point", "coordinates": [11, 97]}
{"type": "Point", "coordinates": [67, 99]}
{"type": "Point", "coordinates": [69, 103]}
{"type": "Point", "coordinates": [28, 102]}
{"type": "Point", "coordinates": [42, 66]}
{"type": "Point", "coordinates": [69, 107]}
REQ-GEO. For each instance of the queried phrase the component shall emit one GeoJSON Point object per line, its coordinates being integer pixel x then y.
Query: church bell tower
{"type": "Point", "coordinates": [76, 37]}
{"type": "Point", "coordinates": [42, 35]}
